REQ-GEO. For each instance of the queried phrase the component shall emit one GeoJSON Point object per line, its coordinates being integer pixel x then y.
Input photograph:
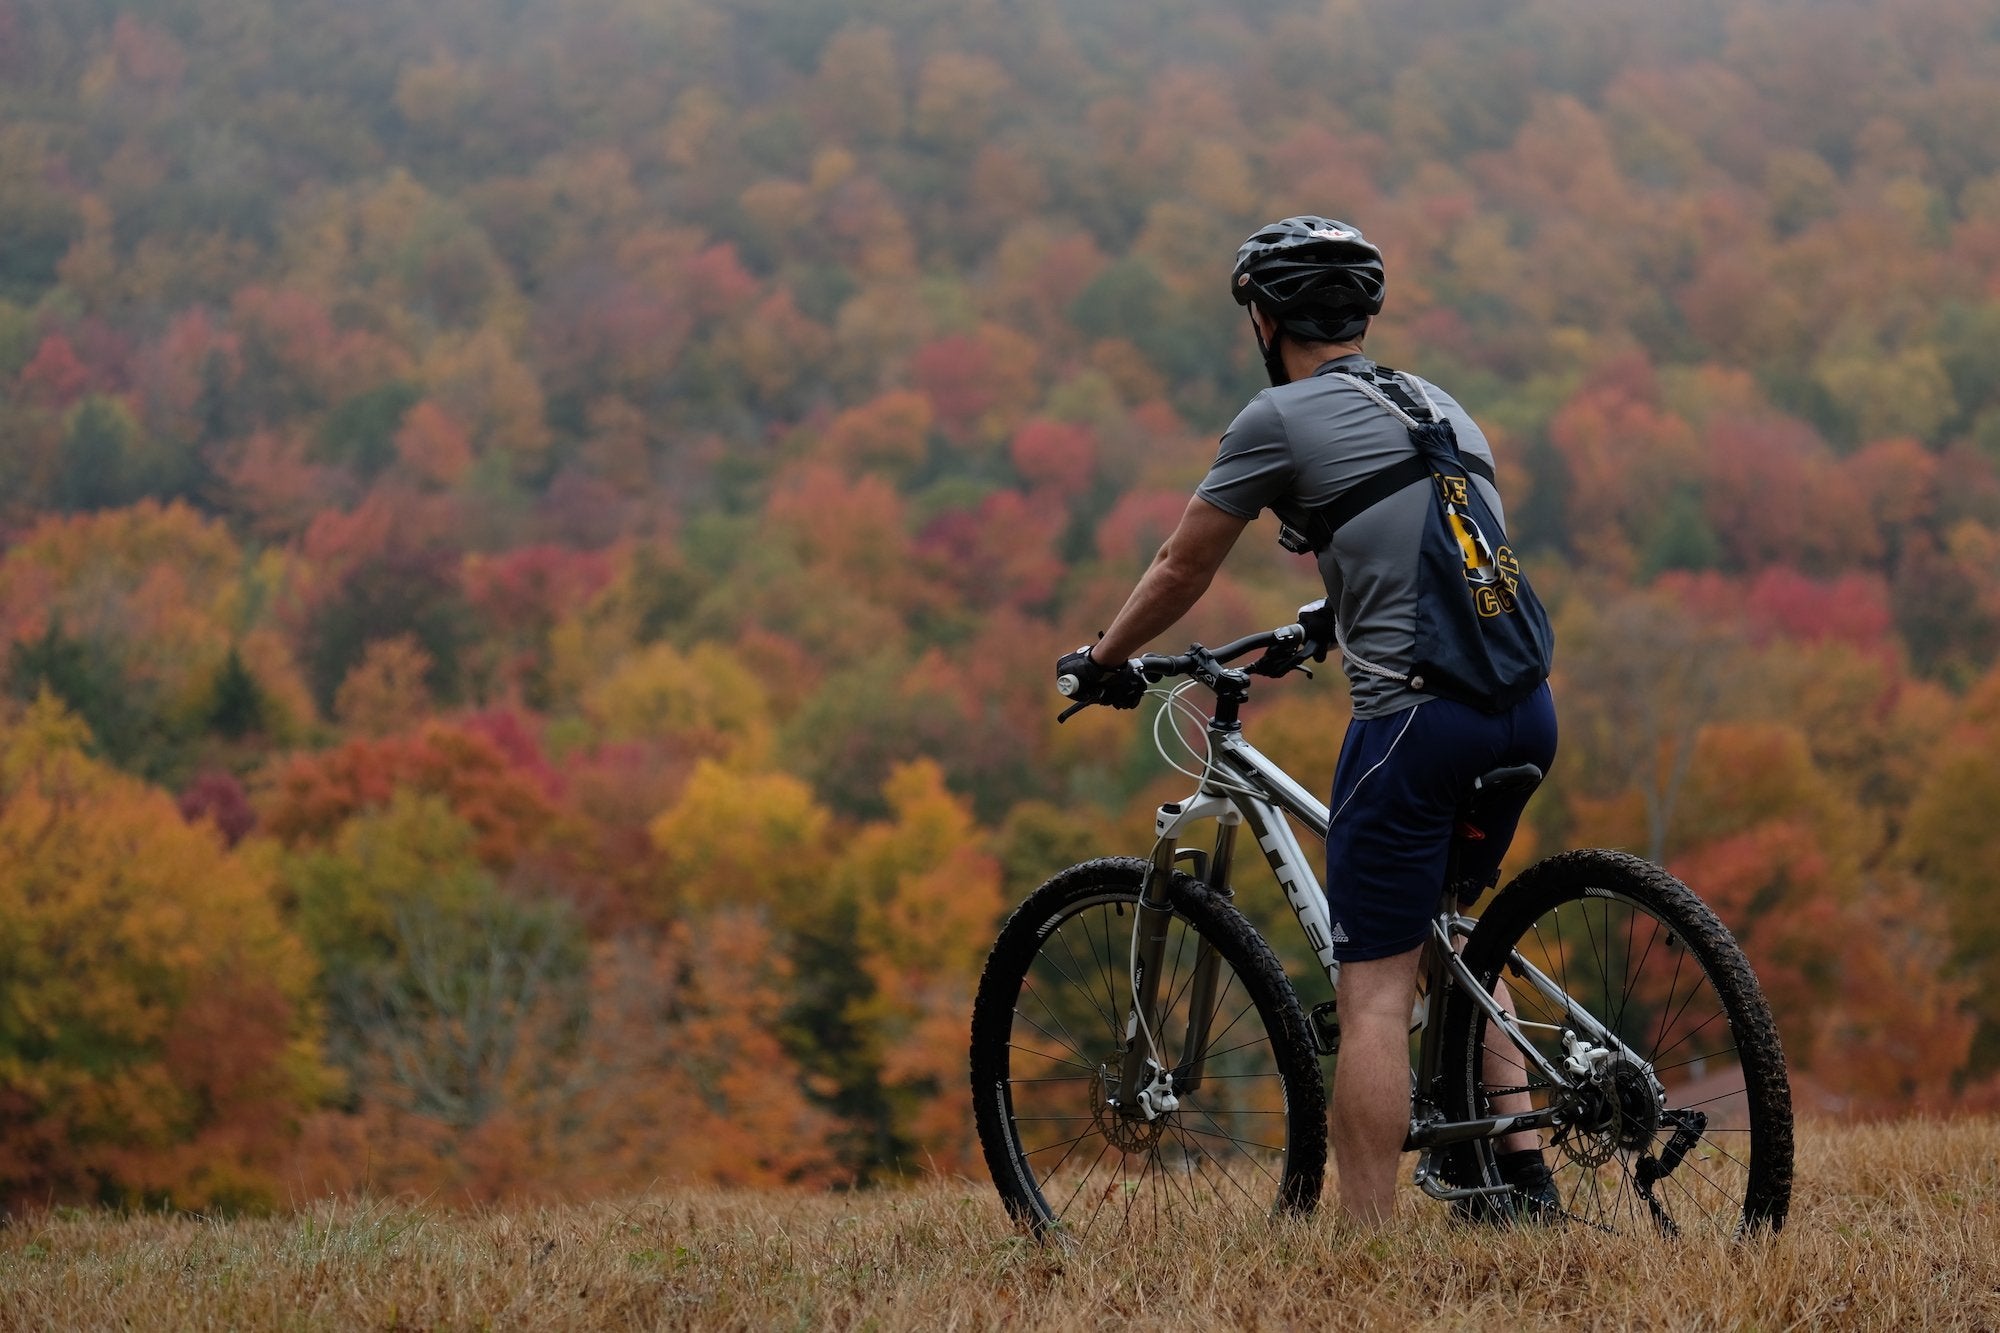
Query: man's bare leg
{"type": "Point", "coordinates": [1371, 1084]}
{"type": "Point", "coordinates": [1502, 1066]}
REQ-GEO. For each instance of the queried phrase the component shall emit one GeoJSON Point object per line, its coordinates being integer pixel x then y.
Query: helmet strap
{"type": "Point", "coordinates": [1272, 352]}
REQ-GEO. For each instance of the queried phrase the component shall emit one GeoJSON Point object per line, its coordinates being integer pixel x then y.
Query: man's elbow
{"type": "Point", "coordinates": [1190, 577]}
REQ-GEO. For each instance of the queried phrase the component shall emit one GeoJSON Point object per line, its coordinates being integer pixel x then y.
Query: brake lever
{"type": "Point", "coordinates": [1279, 660]}
{"type": "Point", "coordinates": [1072, 711]}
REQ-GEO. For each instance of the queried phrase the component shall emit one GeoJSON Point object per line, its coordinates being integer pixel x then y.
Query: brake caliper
{"type": "Point", "coordinates": [1157, 1097]}
{"type": "Point", "coordinates": [1581, 1058]}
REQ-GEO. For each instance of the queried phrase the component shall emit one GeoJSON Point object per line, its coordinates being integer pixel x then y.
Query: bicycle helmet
{"type": "Point", "coordinates": [1320, 280]}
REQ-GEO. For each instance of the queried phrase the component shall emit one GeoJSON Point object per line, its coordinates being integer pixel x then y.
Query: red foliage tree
{"type": "Point", "coordinates": [1056, 455]}
{"type": "Point", "coordinates": [507, 805]}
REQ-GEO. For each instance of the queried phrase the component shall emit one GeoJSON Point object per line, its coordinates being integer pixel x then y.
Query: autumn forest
{"type": "Point", "coordinates": [534, 533]}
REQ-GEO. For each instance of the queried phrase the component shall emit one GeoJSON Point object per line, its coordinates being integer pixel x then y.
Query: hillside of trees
{"type": "Point", "coordinates": [533, 535]}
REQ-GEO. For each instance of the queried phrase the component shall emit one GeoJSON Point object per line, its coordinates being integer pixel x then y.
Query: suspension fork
{"type": "Point", "coordinates": [1154, 917]}
{"type": "Point", "coordinates": [1202, 997]}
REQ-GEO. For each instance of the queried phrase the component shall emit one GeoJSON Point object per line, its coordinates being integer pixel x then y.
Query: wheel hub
{"type": "Point", "coordinates": [1128, 1131]}
{"type": "Point", "coordinates": [1616, 1108]}
{"type": "Point", "coordinates": [1635, 1105]}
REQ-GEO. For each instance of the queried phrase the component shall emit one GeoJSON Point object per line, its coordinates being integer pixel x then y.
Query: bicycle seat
{"type": "Point", "coordinates": [1518, 777]}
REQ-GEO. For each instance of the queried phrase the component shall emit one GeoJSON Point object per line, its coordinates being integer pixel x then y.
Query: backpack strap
{"type": "Point", "coordinates": [1391, 388]}
{"type": "Point", "coordinates": [1397, 386]}
{"type": "Point", "coordinates": [1378, 486]}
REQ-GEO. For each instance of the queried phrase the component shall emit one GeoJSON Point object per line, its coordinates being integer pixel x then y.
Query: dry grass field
{"type": "Point", "coordinates": [1894, 1226]}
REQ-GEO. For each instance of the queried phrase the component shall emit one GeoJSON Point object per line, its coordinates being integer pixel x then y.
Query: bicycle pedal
{"type": "Point", "coordinates": [1326, 1028]}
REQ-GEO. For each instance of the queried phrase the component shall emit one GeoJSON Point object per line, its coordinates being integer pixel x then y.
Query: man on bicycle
{"type": "Point", "coordinates": [1324, 428]}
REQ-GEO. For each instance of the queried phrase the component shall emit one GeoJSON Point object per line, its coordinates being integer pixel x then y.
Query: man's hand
{"type": "Point", "coordinates": [1083, 679]}
{"type": "Point", "coordinates": [1318, 620]}
{"type": "Point", "coordinates": [1283, 658]}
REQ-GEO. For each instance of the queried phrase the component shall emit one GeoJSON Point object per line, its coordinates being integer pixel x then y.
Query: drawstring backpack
{"type": "Point", "coordinates": [1482, 636]}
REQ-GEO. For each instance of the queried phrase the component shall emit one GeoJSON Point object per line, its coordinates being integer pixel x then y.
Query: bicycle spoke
{"type": "Point", "coordinates": [1051, 1036]}
{"type": "Point", "coordinates": [1202, 1157]}
{"type": "Point", "coordinates": [1694, 989]}
{"type": "Point", "coordinates": [1105, 1193]}
{"type": "Point", "coordinates": [1680, 956]}
{"type": "Point", "coordinates": [1693, 1060]}
{"type": "Point", "coordinates": [1110, 1023]}
{"type": "Point", "coordinates": [1027, 984]}
{"type": "Point", "coordinates": [1044, 1055]}
{"type": "Point", "coordinates": [1086, 1178]}
{"type": "Point", "coordinates": [1255, 1041]}
{"type": "Point", "coordinates": [1214, 1037]}
{"type": "Point", "coordinates": [1709, 1101]}
{"type": "Point", "coordinates": [1110, 976]}
{"type": "Point", "coordinates": [1219, 1133]}
{"type": "Point", "coordinates": [1051, 1147]}
{"type": "Point", "coordinates": [1704, 1139]}
{"type": "Point", "coordinates": [1691, 1033]}
{"type": "Point", "coordinates": [1132, 1194]}
{"type": "Point", "coordinates": [1631, 974]}
{"type": "Point", "coordinates": [1603, 964]}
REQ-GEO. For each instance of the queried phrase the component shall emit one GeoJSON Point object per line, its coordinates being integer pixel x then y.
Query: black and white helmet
{"type": "Point", "coordinates": [1321, 280]}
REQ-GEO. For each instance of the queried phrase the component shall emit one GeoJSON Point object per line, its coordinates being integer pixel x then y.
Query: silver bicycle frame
{"type": "Point", "coordinates": [1247, 787]}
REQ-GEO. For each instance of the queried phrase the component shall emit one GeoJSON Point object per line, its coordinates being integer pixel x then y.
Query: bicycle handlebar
{"type": "Point", "coordinates": [1204, 664]}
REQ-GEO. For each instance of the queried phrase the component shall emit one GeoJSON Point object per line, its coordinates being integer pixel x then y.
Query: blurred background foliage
{"type": "Point", "coordinates": [532, 534]}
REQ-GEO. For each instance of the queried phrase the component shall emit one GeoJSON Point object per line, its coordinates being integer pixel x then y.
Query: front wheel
{"type": "Point", "coordinates": [1676, 1114]}
{"type": "Point", "coordinates": [1049, 1034]}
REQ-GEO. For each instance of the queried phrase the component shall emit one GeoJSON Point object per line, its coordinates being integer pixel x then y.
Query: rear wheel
{"type": "Point", "coordinates": [1677, 1110]}
{"type": "Point", "coordinates": [1054, 1004]}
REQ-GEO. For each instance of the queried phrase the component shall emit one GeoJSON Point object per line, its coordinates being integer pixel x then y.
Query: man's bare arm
{"type": "Point", "coordinates": [1174, 582]}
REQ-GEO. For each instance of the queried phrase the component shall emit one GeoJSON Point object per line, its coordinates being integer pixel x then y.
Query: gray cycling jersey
{"type": "Point", "coordinates": [1301, 445]}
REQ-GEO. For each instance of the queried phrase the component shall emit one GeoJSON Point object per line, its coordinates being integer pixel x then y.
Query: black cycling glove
{"type": "Point", "coordinates": [1291, 653]}
{"type": "Point", "coordinates": [1085, 680]}
{"type": "Point", "coordinates": [1317, 620]}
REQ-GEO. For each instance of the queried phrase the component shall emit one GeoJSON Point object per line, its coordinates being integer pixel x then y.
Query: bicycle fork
{"type": "Point", "coordinates": [1147, 1087]}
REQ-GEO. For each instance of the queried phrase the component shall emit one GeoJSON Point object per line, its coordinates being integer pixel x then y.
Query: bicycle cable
{"type": "Point", "coordinates": [1172, 708]}
{"type": "Point", "coordinates": [1208, 775]}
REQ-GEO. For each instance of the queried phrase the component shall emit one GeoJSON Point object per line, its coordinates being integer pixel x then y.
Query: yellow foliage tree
{"type": "Point", "coordinates": [737, 839]}
{"type": "Point", "coordinates": [926, 893]}
{"type": "Point", "coordinates": [703, 695]}
{"type": "Point", "coordinates": [158, 596]}
{"type": "Point", "coordinates": [157, 1044]}
{"type": "Point", "coordinates": [1950, 840]}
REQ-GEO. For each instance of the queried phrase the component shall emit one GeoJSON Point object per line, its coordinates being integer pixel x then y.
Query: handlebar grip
{"type": "Point", "coordinates": [1067, 685]}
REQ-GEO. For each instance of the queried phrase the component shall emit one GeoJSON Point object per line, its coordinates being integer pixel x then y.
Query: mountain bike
{"type": "Point", "coordinates": [1140, 1057]}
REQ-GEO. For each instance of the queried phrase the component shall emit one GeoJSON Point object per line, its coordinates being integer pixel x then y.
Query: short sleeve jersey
{"type": "Point", "coordinates": [1302, 445]}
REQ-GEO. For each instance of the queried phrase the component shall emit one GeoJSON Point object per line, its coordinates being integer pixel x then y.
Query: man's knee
{"type": "Point", "coordinates": [1379, 987]}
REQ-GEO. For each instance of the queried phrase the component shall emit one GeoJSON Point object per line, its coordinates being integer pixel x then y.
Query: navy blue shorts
{"type": "Point", "coordinates": [1396, 795]}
